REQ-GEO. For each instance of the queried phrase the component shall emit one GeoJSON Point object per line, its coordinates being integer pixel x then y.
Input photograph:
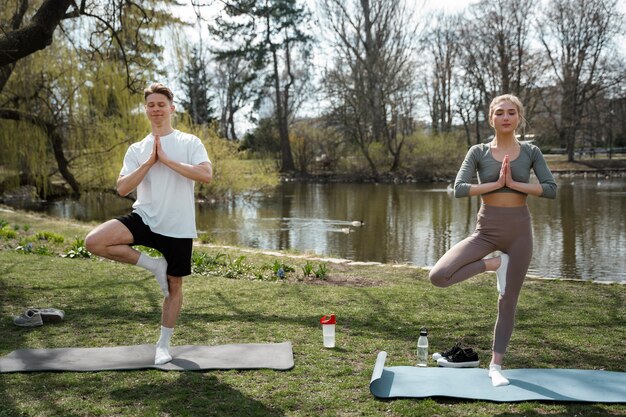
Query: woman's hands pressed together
{"type": "Point", "coordinates": [505, 173]}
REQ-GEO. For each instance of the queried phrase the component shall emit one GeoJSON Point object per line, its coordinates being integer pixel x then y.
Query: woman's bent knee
{"type": "Point", "coordinates": [438, 279]}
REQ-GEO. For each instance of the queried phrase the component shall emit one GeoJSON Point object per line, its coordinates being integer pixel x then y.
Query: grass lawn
{"type": "Point", "coordinates": [559, 324]}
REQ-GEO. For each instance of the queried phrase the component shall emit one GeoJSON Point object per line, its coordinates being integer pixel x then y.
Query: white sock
{"type": "Point", "coordinates": [162, 354]}
{"type": "Point", "coordinates": [497, 379]}
{"type": "Point", "coordinates": [158, 266]}
{"type": "Point", "coordinates": [501, 273]}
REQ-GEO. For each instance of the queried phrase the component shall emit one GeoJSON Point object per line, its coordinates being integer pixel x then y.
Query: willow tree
{"type": "Point", "coordinates": [74, 92]}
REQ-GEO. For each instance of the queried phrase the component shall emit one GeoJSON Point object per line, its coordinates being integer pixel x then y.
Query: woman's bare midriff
{"type": "Point", "coordinates": [504, 199]}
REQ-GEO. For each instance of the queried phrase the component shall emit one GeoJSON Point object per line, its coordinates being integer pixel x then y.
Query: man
{"type": "Point", "coordinates": [163, 168]}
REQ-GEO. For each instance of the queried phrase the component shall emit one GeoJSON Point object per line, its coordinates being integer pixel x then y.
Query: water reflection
{"type": "Point", "coordinates": [581, 234]}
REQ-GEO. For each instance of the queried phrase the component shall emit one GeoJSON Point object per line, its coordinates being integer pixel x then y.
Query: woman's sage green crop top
{"type": "Point", "coordinates": [479, 160]}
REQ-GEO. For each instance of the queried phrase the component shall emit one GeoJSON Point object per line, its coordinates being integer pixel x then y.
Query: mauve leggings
{"type": "Point", "coordinates": [507, 229]}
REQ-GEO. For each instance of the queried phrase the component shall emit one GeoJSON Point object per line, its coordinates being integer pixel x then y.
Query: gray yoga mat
{"type": "Point", "coordinates": [574, 385]}
{"type": "Point", "coordinates": [185, 358]}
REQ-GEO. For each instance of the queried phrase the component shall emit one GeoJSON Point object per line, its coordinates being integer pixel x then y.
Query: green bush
{"type": "Point", "coordinates": [321, 271]}
{"type": "Point", "coordinates": [307, 269]}
{"type": "Point", "coordinates": [8, 233]}
{"type": "Point", "coordinates": [433, 156]}
{"type": "Point", "coordinates": [50, 237]}
{"type": "Point", "coordinates": [77, 250]}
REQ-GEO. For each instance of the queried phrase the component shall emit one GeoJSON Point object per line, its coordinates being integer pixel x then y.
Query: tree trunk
{"type": "Point", "coordinates": [287, 164]}
{"type": "Point", "coordinates": [56, 142]}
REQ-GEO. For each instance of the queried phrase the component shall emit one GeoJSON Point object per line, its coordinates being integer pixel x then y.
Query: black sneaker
{"type": "Point", "coordinates": [463, 358]}
{"type": "Point", "coordinates": [454, 349]}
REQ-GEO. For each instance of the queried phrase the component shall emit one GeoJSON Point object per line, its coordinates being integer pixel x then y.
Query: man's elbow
{"type": "Point", "coordinates": [207, 178]}
{"type": "Point", "coordinates": [207, 173]}
{"type": "Point", "coordinates": [122, 192]}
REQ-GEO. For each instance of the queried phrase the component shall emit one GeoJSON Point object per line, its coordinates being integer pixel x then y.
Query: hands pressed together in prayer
{"type": "Point", "coordinates": [505, 178]}
{"type": "Point", "coordinates": [158, 154]}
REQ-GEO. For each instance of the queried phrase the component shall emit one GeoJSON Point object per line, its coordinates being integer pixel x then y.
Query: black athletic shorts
{"type": "Point", "coordinates": [177, 251]}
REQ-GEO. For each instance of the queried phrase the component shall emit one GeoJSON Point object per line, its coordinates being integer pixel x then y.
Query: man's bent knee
{"type": "Point", "coordinates": [92, 243]}
{"type": "Point", "coordinates": [107, 234]}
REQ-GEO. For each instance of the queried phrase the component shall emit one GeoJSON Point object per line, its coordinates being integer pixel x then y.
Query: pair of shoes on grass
{"type": "Point", "coordinates": [34, 317]}
{"type": "Point", "coordinates": [457, 357]}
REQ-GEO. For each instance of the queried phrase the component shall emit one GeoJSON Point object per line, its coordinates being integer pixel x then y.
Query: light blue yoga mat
{"type": "Point", "coordinates": [575, 385]}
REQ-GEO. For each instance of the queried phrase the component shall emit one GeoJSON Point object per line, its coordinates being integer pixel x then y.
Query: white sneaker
{"type": "Point", "coordinates": [501, 273]}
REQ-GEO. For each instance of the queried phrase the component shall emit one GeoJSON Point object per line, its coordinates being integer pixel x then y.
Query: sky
{"type": "Point", "coordinates": [422, 7]}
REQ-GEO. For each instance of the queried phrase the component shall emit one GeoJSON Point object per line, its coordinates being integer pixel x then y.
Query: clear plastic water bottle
{"type": "Point", "coordinates": [422, 347]}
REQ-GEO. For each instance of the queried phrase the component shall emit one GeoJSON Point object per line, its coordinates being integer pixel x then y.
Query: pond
{"type": "Point", "coordinates": [580, 235]}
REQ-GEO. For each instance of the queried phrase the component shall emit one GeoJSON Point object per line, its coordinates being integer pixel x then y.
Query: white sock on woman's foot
{"type": "Point", "coordinates": [501, 273]}
{"type": "Point", "coordinates": [158, 266]}
{"type": "Point", "coordinates": [162, 354]}
{"type": "Point", "coordinates": [497, 379]}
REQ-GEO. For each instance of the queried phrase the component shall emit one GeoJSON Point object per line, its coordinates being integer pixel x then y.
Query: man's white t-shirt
{"type": "Point", "coordinates": [165, 199]}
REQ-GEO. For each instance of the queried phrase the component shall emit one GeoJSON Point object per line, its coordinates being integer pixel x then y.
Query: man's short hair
{"type": "Point", "coordinates": [160, 89]}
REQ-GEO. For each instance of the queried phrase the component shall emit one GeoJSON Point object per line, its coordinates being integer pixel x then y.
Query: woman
{"type": "Point", "coordinates": [504, 223]}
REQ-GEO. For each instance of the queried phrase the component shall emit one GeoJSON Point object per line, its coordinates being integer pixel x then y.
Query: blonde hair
{"type": "Point", "coordinates": [160, 89]}
{"type": "Point", "coordinates": [513, 100]}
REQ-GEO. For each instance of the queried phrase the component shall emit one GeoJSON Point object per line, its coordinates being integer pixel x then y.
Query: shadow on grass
{"type": "Point", "coordinates": [195, 393]}
{"type": "Point", "coordinates": [8, 407]}
{"type": "Point", "coordinates": [149, 393]}
{"type": "Point", "coordinates": [572, 409]}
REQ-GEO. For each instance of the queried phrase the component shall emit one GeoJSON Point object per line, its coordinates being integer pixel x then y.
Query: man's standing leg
{"type": "Point", "coordinates": [171, 310]}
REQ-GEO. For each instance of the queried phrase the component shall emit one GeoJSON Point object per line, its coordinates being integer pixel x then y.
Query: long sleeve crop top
{"type": "Point", "coordinates": [479, 160]}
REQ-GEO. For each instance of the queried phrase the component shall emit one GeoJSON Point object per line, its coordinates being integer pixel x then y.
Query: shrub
{"type": "Point", "coordinates": [321, 271]}
{"type": "Point", "coordinates": [77, 250]}
{"type": "Point", "coordinates": [50, 237]}
{"type": "Point", "coordinates": [8, 233]}
{"type": "Point", "coordinates": [307, 269]}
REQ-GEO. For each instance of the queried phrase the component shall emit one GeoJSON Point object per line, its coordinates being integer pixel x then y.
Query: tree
{"type": "Point", "coordinates": [265, 34]}
{"type": "Point", "coordinates": [576, 36]}
{"type": "Point", "coordinates": [442, 42]}
{"type": "Point", "coordinates": [497, 57]}
{"type": "Point", "coordinates": [21, 41]}
{"type": "Point", "coordinates": [195, 81]}
{"type": "Point", "coordinates": [234, 86]}
{"type": "Point", "coordinates": [372, 72]}
{"type": "Point", "coordinates": [48, 86]}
